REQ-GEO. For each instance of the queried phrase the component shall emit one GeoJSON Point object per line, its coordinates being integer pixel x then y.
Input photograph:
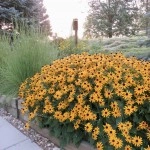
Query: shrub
{"type": "Point", "coordinates": [142, 53]}
{"type": "Point", "coordinates": [103, 99]}
{"type": "Point", "coordinates": [68, 47]}
{"type": "Point", "coordinates": [95, 46]}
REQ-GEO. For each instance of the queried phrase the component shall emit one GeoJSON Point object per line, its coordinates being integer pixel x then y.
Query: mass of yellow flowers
{"type": "Point", "coordinates": [104, 95]}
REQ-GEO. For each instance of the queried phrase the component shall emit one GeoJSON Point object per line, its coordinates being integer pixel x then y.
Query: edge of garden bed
{"type": "Point", "coordinates": [13, 106]}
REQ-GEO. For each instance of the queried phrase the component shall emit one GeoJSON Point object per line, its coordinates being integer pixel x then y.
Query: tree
{"type": "Point", "coordinates": [145, 9]}
{"type": "Point", "coordinates": [112, 17]}
{"type": "Point", "coordinates": [148, 18]}
{"type": "Point", "coordinates": [7, 13]}
{"type": "Point", "coordinates": [42, 17]}
{"type": "Point", "coordinates": [29, 12]}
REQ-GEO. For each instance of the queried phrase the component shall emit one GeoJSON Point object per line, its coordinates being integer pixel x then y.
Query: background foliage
{"type": "Point", "coordinates": [30, 13]}
{"type": "Point", "coordinates": [116, 17]}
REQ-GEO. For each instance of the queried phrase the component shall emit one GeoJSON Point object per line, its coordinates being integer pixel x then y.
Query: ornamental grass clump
{"type": "Point", "coordinates": [23, 61]}
{"type": "Point", "coordinates": [99, 98]}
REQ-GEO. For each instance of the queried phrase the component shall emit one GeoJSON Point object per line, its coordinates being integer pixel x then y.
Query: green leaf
{"type": "Point", "coordinates": [118, 120]}
{"type": "Point", "coordinates": [147, 116]}
{"type": "Point", "coordinates": [57, 132]}
{"type": "Point", "coordinates": [133, 131]}
{"type": "Point", "coordinates": [68, 139]}
{"type": "Point", "coordinates": [99, 122]}
{"type": "Point", "coordinates": [121, 105]}
{"type": "Point", "coordinates": [63, 143]}
{"type": "Point", "coordinates": [70, 128]}
{"type": "Point", "coordinates": [141, 111]}
{"type": "Point", "coordinates": [142, 148]}
{"type": "Point", "coordinates": [47, 122]}
{"type": "Point", "coordinates": [135, 118]}
{"type": "Point", "coordinates": [148, 111]}
{"type": "Point", "coordinates": [77, 138]}
{"type": "Point", "coordinates": [108, 147]}
{"type": "Point", "coordinates": [104, 139]}
{"type": "Point", "coordinates": [41, 125]}
{"type": "Point", "coordinates": [91, 141]}
{"type": "Point", "coordinates": [64, 130]}
{"type": "Point", "coordinates": [54, 123]}
{"type": "Point", "coordinates": [111, 120]}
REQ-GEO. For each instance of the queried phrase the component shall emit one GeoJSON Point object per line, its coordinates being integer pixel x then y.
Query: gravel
{"type": "Point", "coordinates": [43, 142]}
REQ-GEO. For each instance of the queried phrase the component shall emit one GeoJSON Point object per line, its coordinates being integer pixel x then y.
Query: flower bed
{"type": "Point", "coordinates": [103, 99]}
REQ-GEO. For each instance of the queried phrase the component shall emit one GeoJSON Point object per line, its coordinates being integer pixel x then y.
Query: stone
{"type": "Point", "coordinates": [2, 99]}
{"type": "Point", "coordinates": [19, 103]}
{"type": "Point", "coordinates": [13, 103]}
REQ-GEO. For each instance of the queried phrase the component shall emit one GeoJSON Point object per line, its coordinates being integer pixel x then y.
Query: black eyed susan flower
{"type": "Point", "coordinates": [127, 147]}
{"type": "Point", "coordinates": [27, 126]}
{"type": "Point", "coordinates": [137, 141]}
{"type": "Point", "coordinates": [99, 146]}
{"type": "Point", "coordinates": [116, 112]}
{"type": "Point", "coordinates": [128, 138]}
{"type": "Point", "coordinates": [121, 126]}
{"type": "Point", "coordinates": [88, 127]}
{"type": "Point", "coordinates": [143, 125]}
{"type": "Point", "coordinates": [118, 144]}
{"type": "Point", "coordinates": [148, 135]}
{"type": "Point", "coordinates": [128, 110]}
{"type": "Point", "coordinates": [105, 113]}
{"type": "Point", "coordinates": [128, 125]}
{"type": "Point", "coordinates": [107, 127]}
{"type": "Point", "coordinates": [112, 141]}
{"type": "Point", "coordinates": [114, 105]}
{"type": "Point", "coordinates": [108, 93]}
{"type": "Point", "coordinates": [148, 148]}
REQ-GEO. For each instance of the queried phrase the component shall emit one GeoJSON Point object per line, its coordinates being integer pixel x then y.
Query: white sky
{"type": "Point", "coordinates": [62, 13]}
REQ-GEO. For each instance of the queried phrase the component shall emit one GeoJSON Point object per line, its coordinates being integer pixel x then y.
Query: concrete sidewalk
{"type": "Point", "coordinates": [13, 139]}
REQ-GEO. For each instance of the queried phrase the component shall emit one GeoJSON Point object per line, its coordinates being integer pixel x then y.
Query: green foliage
{"type": "Point", "coordinates": [129, 46]}
{"type": "Point", "coordinates": [65, 132]}
{"type": "Point", "coordinates": [95, 46]}
{"type": "Point", "coordinates": [29, 54]}
{"type": "Point", "coordinates": [142, 53]}
{"type": "Point", "coordinates": [4, 48]}
{"type": "Point", "coordinates": [112, 17]}
{"type": "Point", "coordinates": [8, 10]}
{"type": "Point", "coordinates": [29, 12]}
{"type": "Point", "coordinates": [68, 47]}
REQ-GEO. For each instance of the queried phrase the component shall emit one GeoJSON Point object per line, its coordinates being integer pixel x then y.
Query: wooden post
{"type": "Point", "coordinates": [75, 28]}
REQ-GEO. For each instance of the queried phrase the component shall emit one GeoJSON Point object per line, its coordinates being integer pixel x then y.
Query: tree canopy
{"type": "Point", "coordinates": [112, 17]}
{"type": "Point", "coordinates": [145, 7]}
{"type": "Point", "coordinates": [29, 12]}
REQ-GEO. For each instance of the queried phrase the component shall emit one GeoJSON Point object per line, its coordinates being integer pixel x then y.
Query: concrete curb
{"type": "Point", "coordinates": [13, 106]}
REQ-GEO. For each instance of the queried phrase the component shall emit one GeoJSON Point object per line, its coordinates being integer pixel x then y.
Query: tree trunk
{"type": "Point", "coordinates": [110, 31]}
{"type": "Point", "coordinates": [147, 19]}
{"type": "Point", "coordinates": [110, 34]}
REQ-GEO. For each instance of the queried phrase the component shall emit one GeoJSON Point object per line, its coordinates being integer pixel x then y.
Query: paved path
{"type": "Point", "coordinates": [13, 139]}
